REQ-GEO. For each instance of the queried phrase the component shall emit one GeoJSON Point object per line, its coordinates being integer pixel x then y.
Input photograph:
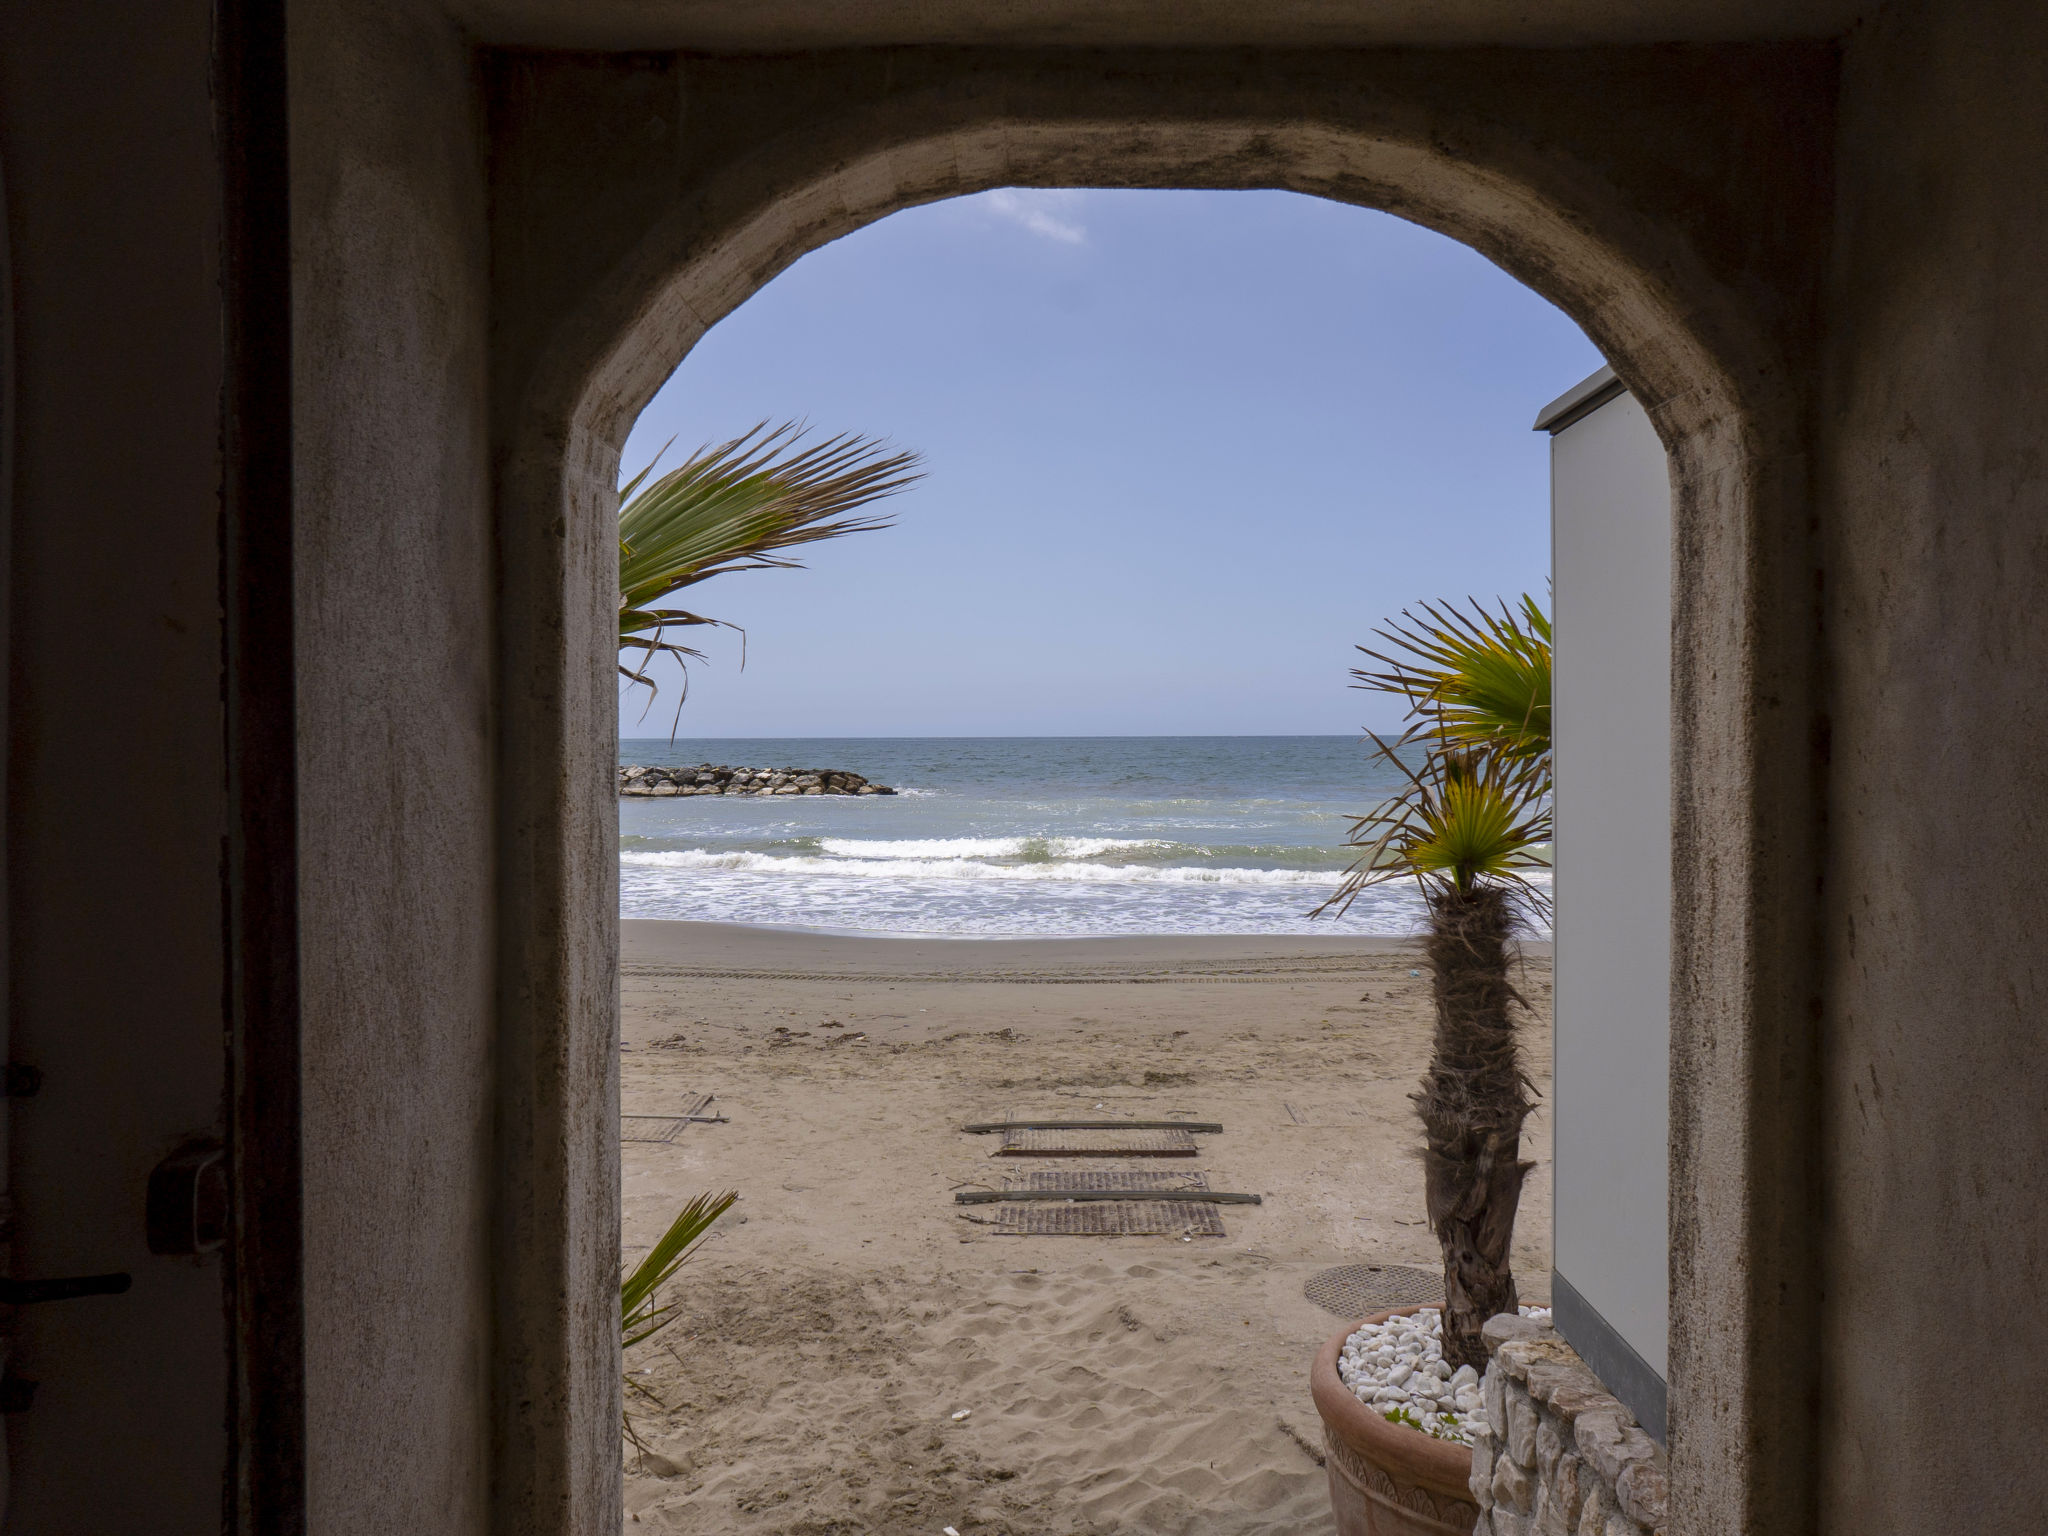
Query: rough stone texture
{"type": "Point", "coordinates": [1611, 1441]}
{"type": "Point", "coordinates": [1482, 1471]}
{"type": "Point", "coordinates": [1568, 1489]}
{"type": "Point", "coordinates": [396, 767]}
{"type": "Point", "coordinates": [1493, 1394]}
{"type": "Point", "coordinates": [1511, 1325]}
{"type": "Point", "coordinates": [1596, 1505]}
{"type": "Point", "coordinates": [1572, 1461]}
{"type": "Point", "coordinates": [719, 779]}
{"type": "Point", "coordinates": [1643, 1491]}
{"type": "Point", "coordinates": [1513, 1487]}
{"type": "Point", "coordinates": [1933, 1075]}
{"type": "Point", "coordinates": [1521, 1438]}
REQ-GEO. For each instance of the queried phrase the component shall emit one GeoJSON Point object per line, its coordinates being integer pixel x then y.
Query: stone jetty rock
{"type": "Point", "coordinates": [719, 779]}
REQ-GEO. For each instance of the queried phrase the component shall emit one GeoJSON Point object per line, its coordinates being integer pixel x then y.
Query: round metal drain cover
{"type": "Point", "coordinates": [1358, 1290]}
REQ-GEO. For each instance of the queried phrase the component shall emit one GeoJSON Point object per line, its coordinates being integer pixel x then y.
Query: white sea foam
{"type": "Point", "coordinates": [901, 867]}
{"type": "Point", "coordinates": [927, 848]}
{"type": "Point", "coordinates": [1024, 836]}
{"type": "Point", "coordinates": [985, 907]}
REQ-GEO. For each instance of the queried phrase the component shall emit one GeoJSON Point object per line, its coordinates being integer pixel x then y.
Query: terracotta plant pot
{"type": "Point", "coordinates": [1386, 1479]}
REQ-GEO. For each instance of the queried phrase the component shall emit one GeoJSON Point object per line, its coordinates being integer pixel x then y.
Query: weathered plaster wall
{"type": "Point", "coordinates": [557, 1467]}
{"type": "Point", "coordinates": [1936, 1078]}
{"type": "Point", "coordinates": [396, 629]}
{"type": "Point", "coordinates": [115, 758]}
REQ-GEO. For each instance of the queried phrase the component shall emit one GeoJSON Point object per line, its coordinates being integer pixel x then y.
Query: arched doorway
{"type": "Point", "coordinates": [609, 277]}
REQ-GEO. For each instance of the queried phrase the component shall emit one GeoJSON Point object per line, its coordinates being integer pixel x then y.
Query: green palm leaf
{"type": "Point", "coordinates": [1482, 677]}
{"type": "Point", "coordinates": [1465, 816]}
{"type": "Point", "coordinates": [736, 507]}
{"type": "Point", "coordinates": [639, 1317]}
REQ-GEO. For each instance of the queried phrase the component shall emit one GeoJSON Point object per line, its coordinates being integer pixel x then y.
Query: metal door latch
{"type": "Point", "coordinates": [188, 1200]}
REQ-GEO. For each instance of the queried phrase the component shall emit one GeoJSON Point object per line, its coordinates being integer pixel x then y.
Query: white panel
{"type": "Point", "coordinates": [1611, 555]}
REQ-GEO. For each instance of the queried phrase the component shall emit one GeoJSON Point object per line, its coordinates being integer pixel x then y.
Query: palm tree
{"type": "Point", "coordinates": [1467, 825]}
{"type": "Point", "coordinates": [734, 507]}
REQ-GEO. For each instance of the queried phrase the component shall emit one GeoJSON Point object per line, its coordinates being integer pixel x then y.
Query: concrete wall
{"type": "Point", "coordinates": [397, 626]}
{"type": "Point", "coordinates": [1936, 883]}
{"type": "Point", "coordinates": [115, 816]}
{"type": "Point", "coordinates": [1611, 715]}
{"type": "Point", "coordinates": [1837, 329]}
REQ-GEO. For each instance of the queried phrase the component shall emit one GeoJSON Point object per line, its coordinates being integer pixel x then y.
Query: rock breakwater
{"type": "Point", "coordinates": [718, 779]}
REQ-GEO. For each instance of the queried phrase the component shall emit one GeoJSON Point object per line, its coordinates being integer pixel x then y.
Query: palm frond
{"type": "Point", "coordinates": [639, 1316]}
{"type": "Point", "coordinates": [1482, 677]}
{"type": "Point", "coordinates": [733, 507]}
{"type": "Point", "coordinates": [1466, 816]}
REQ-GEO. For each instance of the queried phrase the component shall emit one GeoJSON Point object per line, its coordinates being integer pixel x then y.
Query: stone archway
{"type": "Point", "coordinates": [1625, 185]}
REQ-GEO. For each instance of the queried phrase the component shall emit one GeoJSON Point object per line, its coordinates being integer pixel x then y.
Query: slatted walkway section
{"type": "Point", "coordinates": [1112, 1218]}
{"type": "Point", "coordinates": [1102, 1202]}
{"type": "Point", "coordinates": [1037, 1143]}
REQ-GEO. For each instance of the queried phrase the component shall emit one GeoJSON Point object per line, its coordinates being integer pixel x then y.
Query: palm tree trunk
{"type": "Point", "coordinates": [1473, 1100]}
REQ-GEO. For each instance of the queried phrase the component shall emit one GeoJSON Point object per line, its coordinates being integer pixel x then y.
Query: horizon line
{"type": "Point", "coordinates": [1044, 736]}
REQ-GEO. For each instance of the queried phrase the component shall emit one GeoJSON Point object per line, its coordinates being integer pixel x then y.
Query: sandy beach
{"type": "Point", "coordinates": [847, 1309]}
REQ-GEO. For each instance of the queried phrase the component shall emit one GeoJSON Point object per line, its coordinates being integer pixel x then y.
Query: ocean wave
{"type": "Point", "coordinates": [983, 847]}
{"type": "Point", "coordinates": [900, 867]}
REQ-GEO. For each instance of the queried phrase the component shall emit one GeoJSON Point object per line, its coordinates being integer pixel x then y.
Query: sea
{"type": "Point", "coordinates": [991, 837]}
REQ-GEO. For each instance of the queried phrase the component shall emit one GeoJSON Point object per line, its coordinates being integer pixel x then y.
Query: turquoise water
{"type": "Point", "coordinates": [994, 836]}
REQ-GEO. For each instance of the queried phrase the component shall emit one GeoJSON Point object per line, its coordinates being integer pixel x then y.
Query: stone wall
{"type": "Point", "coordinates": [1559, 1455]}
{"type": "Point", "coordinates": [718, 779]}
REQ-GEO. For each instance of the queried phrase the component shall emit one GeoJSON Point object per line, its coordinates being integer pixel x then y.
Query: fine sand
{"type": "Point", "coordinates": [846, 1309]}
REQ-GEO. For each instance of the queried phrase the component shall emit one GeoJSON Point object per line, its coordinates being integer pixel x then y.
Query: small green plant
{"type": "Point", "coordinates": [1437, 1431]}
{"type": "Point", "coordinates": [639, 1316]}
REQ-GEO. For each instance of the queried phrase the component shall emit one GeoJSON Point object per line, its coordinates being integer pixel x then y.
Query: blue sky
{"type": "Point", "coordinates": [1184, 450]}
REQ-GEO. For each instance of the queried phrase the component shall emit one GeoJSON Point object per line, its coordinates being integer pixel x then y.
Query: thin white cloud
{"type": "Point", "coordinates": [1049, 212]}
